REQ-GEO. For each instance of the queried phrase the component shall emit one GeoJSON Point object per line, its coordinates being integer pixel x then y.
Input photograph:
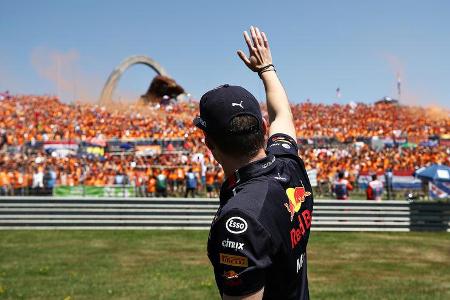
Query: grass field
{"type": "Point", "coordinates": [173, 265]}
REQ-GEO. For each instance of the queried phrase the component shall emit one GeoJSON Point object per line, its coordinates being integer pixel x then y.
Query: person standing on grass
{"type": "Point", "coordinates": [161, 184]}
{"type": "Point", "coordinates": [258, 237]}
{"type": "Point", "coordinates": [210, 182]}
{"type": "Point", "coordinates": [374, 189]}
{"type": "Point", "coordinates": [218, 180]}
{"type": "Point", "coordinates": [341, 187]}
{"type": "Point", "coordinates": [191, 184]}
{"type": "Point", "coordinates": [151, 186]}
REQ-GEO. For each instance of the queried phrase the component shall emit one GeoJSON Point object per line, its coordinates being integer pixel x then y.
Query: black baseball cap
{"type": "Point", "coordinates": [220, 105]}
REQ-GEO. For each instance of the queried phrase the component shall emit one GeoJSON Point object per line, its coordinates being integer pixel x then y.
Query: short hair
{"type": "Point", "coordinates": [245, 137]}
{"type": "Point", "coordinates": [374, 176]}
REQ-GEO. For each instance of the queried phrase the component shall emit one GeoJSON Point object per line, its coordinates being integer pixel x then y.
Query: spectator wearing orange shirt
{"type": "Point", "coordinates": [210, 182]}
{"type": "Point", "coordinates": [151, 186]}
{"type": "Point", "coordinates": [4, 182]}
{"type": "Point", "coordinates": [179, 183]}
{"type": "Point", "coordinates": [19, 183]}
{"type": "Point", "coordinates": [171, 180]}
{"type": "Point", "coordinates": [218, 180]}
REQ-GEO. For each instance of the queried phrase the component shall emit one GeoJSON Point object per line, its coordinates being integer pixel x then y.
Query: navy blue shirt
{"type": "Point", "coordinates": [259, 235]}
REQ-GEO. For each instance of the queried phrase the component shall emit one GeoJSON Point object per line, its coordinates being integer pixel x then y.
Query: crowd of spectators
{"type": "Point", "coordinates": [190, 170]}
{"type": "Point", "coordinates": [351, 121]}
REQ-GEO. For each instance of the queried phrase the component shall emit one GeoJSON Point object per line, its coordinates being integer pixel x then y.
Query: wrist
{"type": "Point", "coordinates": [264, 67]}
{"type": "Point", "coordinates": [266, 70]}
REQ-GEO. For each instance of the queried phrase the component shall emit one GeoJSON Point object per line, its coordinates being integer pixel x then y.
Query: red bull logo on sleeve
{"type": "Point", "coordinates": [230, 274]}
{"type": "Point", "coordinates": [232, 278]}
{"type": "Point", "coordinates": [296, 197]}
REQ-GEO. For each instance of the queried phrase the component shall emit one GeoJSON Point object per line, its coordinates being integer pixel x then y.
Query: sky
{"type": "Point", "coordinates": [69, 48]}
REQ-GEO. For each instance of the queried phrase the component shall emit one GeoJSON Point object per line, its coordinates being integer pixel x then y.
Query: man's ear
{"type": "Point", "coordinates": [264, 126]}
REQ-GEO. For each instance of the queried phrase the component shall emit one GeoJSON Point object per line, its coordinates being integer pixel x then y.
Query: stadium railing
{"type": "Point", "coordinates": [197, 213]}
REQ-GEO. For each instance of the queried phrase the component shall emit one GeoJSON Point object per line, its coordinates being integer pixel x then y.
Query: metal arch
{"type": "Point", "coordinates": [110, 85]}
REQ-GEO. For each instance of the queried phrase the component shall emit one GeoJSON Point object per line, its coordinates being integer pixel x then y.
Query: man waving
{"type": "Point", "coordinates": [258, 238]}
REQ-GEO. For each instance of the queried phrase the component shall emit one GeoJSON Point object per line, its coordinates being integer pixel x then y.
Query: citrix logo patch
{"type": "Point", "coordinates": [232, 245]}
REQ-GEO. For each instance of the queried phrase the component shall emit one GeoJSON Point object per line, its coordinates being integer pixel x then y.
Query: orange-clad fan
{"type": "Point", "coordinates": [210, 175]}
{"type": "Point", "coordinates": [151, 186]}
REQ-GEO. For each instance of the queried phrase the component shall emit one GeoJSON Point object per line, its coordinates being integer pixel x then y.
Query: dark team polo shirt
{"type": "Point", "coordinates": [259, 235]}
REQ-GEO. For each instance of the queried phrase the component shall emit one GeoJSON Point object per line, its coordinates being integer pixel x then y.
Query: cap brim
{"type": "Point", "coordinates": [200, 123]}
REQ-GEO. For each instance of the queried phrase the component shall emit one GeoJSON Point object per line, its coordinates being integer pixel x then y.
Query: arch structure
{"type": "Point", "coordinates": [114, 77]}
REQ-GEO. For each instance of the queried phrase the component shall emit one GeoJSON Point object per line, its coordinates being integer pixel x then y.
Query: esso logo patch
{"type": "Point", "coordinates": [236, 225]}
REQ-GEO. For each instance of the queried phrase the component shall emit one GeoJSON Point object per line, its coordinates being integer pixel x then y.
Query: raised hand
{"type": "Point", "coordinates": [259, 51]}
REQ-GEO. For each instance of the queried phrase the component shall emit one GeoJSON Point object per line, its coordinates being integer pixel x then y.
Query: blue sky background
{"type": "Point", "coordinates": [317, 46]}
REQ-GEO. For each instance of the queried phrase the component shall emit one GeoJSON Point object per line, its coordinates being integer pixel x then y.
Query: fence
{"type": "Point", "coordinates": [178, 213]}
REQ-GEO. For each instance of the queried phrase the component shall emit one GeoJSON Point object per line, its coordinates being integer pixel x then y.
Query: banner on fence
{"type": "Point", "coordinates": [439, 190]}
{"type": "Point", "coordinates": [94, 191]}
{"type": "Point", "coordinates": [400, 180]}
{"type": "Point", "coordinates": [61, 148]}
{"type": "Point", "coordinates": [148, 150]}
{"type": "Point", "coordinates": [94, 150]}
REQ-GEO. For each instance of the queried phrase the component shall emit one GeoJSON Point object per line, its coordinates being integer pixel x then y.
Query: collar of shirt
{"type": "Point", "coordinates": [252, 170]}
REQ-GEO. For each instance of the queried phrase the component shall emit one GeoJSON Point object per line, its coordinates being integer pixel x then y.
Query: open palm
{"type": "Point", "coordinates": [259, 51]}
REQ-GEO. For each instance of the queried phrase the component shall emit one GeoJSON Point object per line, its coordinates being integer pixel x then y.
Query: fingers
{"type": "Point", "coordinates": [254, 37]}
{"type": "Point", "coordinates": [259, 37]}
{"type": "Point", "coordinates": [248, 41]}
{"type": "Point", "coordinates": [244, 57]}
{"type": "Point", "coordinates": [265, 40]}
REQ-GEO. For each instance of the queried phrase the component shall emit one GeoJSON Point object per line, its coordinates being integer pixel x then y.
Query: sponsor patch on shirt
{"type": "Point", "coordinates": [230, 274]}
{"type": "Point", "coordinates": [304, 223]}
{"type": "Point", "coordinates": [232, 245]}
{"type": "Point", "coordinates": [300, 261]}
{"type": "Point", "coordinates": [233, 260]}
{"type": "Point", "coordinates": [268, 164]}
{"type": "Point", "coordinates": [232, 278]}
{"type": "Point", "coordinates": [296, 197]}
{"type": "Point", "coordinates": [236, 225]}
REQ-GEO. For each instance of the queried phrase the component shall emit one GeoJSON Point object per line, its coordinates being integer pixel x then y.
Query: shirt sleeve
{"type": "Point", "coordinates": [240, 253]}
{"type": "Point", "coordinates": [281, 144]}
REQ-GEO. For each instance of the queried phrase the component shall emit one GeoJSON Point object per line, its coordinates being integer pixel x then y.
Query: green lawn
{"type": "Point", "coordinates": [173, 265]}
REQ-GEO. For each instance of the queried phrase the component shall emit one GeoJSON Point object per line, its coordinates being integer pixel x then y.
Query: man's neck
{"type": "Point", "coordinates": [231, 165]}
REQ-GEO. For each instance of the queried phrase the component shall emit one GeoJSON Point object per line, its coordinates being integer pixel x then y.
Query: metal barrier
{"type": "Point", "coordinates": [179, 213]}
